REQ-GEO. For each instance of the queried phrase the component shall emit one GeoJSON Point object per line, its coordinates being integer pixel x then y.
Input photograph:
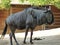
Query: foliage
{"type": "Point", "coordinates": [44, 2]}
{"type": "Point", "coordinates": [57, 4]}
{"type": "Point", "coordinates": [5, 4]}
{"type": "Point", "coordinates": [21, 1]}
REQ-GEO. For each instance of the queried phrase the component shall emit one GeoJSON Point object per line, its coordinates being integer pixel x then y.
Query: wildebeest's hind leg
{"type": "Point", "coordinates": [11, 38]}
{"type": "Point", "coordinates": [13, 35]}
{"type": "Point", "coordinates": [27, 28]}
{"type": "Point", "coordinates": [31, 36]}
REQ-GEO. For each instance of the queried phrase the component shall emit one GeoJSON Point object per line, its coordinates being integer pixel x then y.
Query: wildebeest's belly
{"type": "Point", "coordinates": [21, 27]}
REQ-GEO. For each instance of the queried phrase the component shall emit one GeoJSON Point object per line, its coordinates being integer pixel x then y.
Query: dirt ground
{"type": "Point", "coordinates": [46, 40]}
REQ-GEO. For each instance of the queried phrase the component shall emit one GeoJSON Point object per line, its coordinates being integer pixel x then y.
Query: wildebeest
{"type": "Point", "coordinates": [28, 18]}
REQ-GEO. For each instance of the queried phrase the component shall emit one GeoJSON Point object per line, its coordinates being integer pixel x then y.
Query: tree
{"type": "Point", "coordinates": [43, 2]}
{"type": "Point", "coordinates": [5, 4]}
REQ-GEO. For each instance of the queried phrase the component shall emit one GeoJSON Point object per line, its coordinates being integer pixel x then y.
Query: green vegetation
{"type": "Point", "coordinates": [44, 2]}
{"type": "Point", "coordinates": [5, 4]}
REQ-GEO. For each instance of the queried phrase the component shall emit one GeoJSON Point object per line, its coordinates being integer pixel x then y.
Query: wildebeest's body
{"type": "Point", "coordinates": [18, 20]}
{"type": "Point", "coordinates": [28, 18]}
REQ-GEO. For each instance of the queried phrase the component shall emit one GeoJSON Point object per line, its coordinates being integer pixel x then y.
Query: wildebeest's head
{"type": "Point", "coordinates": [42, 16]}
{"type": "Point", "coordinates": [49, 17]}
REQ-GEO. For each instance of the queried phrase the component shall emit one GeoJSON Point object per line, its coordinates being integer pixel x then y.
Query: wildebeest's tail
{"type": "Point", "coordinates": [4, 31]}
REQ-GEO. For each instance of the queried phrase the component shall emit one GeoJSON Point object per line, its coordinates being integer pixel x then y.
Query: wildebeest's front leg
{"type": "Point", "coordinates": [31, 36]}
{"type": "Point", "coordinates": [27, 28]}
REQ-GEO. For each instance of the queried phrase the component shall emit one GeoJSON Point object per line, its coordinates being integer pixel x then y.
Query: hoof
{"type": "Point", "coordinates": [31, 42]}
{"type": "Point", "coordinates": [24, 42]}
